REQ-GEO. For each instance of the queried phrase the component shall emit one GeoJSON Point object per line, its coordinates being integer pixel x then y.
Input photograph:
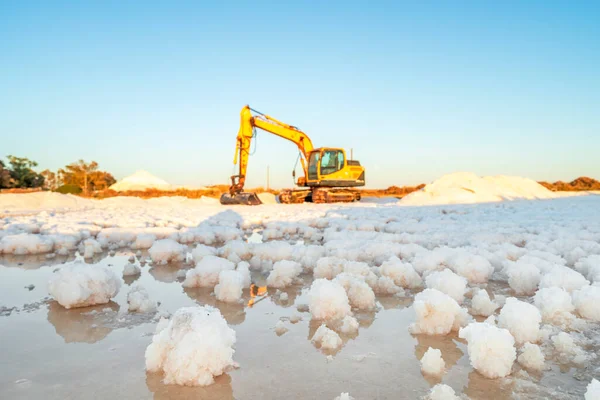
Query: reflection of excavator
{"type": "Point", "coordinates": [328, 173]}
{"type": "Point", "coordinates": [256, 291]}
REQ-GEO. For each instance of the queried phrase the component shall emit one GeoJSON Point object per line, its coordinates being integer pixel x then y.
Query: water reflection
{"type": "Point", "coordinates": [480, 387]}
{"type": "Point", "coordinates": [220, 390]}
{"type": "Point", "coordinates": [166, 273]}
{"type": "Point", "coordinates": [82, 325]}
{"type": "Point", "coordinates": [233, 313]}
{"type": "Point", "coordinates": [129, 279]}
{"type": "Point", "coordinates": [35, 261]}
{"type": "Point", "coordinates": [451, 353]}
{"type": "Point", "coordinates": [394, 302]}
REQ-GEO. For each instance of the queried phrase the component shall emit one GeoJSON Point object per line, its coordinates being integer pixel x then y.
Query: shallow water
{"type": "Point", "coordinates": [98, 352]}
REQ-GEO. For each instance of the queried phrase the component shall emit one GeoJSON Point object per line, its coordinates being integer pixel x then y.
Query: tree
{"type": "Point", "coordinates": [50, 179]}
{"type": "Point", "coordinates": [6, 180]}
{"type": "Point", "coordinates": [23, 174]}
{"type": "Point", "coordinates": [86, 176]}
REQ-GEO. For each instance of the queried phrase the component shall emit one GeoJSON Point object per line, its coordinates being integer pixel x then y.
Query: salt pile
{"type": "Point", "coordinates": [437, 313]}
{"type": "Point", "coordinates": [230, 286]}
{"type": "Point", "coordinates": [432, 362]}
{"type": "Point", "coordinates": [82, 285]}
{"type": "Point", "coordinates": [192, 348]}
{"type": "Point", "coordinates": [167, 250]}
{"type": "Point", "coordinates": [531, 357]}
{"type": "Point", "coordinates": [442, 392]}
{"type": "Point", "coordinates": [328, 300]}
{"type": "Point", "coordinates": [326, 338]}
{"type": "Point", "coordinates": [491, 349]}
{"type": "Point", "coordinates": [141, 180]}
{"type": "Point", "coordinates": [139, 300]}
{"type": "Point", "coordinates": [206, 273]}
{"type": "Point", "coordinates": [521, 319]}
{"type": "Point", "coordinates": [466, 187]}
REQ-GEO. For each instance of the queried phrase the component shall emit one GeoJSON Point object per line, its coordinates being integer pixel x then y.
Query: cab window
{"type": "Point", "coordinates": [313, 165]}
{"type": "Point", "coordinates": [332, 161]}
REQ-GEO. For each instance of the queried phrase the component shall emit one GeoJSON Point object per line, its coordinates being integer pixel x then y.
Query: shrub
{"type": "Point", "coordinates": [69, 189]}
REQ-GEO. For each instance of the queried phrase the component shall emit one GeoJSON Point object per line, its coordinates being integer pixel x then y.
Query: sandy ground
{"type": "Point", "coordinates": [98, 352]}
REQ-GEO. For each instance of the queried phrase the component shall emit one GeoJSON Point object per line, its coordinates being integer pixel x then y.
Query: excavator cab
{"type": "Point", "coordinates": [329, 167]}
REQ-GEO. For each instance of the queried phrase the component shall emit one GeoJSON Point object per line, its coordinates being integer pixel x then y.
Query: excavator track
{"type": "Point", "coordinates": [319, 195]}
{"type": "Point", "coordinates": [322, 195]}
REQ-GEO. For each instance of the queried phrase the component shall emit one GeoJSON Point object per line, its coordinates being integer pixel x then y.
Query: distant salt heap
{"type": "Point", "coordinates": [466, 187]}
{"type": "Point", "coordinates": [141, 180]}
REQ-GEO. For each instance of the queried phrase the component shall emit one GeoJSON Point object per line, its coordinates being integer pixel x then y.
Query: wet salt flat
{"type": "Point", "coordinates": [98, 352]}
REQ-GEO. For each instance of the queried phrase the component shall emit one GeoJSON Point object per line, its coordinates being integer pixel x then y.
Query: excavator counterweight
{"type": "Point", "coordinates": [328, 175]}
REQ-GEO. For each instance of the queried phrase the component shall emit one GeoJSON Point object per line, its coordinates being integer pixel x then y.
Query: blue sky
{"type": "Point", "coordinates": [417, 89]}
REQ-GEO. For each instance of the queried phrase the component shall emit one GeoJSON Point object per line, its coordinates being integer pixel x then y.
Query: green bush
{"type": "Point", "coordinates": [69, 189]}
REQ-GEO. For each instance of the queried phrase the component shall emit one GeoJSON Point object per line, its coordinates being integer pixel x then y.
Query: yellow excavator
{"type": "Point", "coordinates": [329, 175]}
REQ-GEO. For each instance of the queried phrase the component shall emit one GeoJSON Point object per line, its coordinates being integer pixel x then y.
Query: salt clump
{"type": "Point", "coordinates": [167, 250]}
{"type": "Point", "coordinates": [195, 346]}
{"type": "Point", "coordinates": [442, 392]}
{"type": "Point", "coordinates": [403, 274]}
{"type": "Point", "coordinates": [230, 286]}
{"type": "Point", "coordinates": [555, 306]}
{"type": "Point", "coordinates": [531, 357]}
{"type": "Point", "coordinates": [437, 313]}
{"type": "Point", "coordinates": [349, 325]}
{"type": "Point", "coordinates": [449, 283]}
{"type": "Point", "coordinates": [491, 349]}
{"type": "Point", "coordinates": [593, 390]}
{"type": "Point", "coordinates": [563, 277]}
{"type": "Point", "coordinates": [139, 300]}
{"type": "Point", "coordinates": [521, 319]}
{"type": "Point", "coordinates": [359, 293]}
{"type": "Point", "coordinates": [131, 270]}
{"type": "Point", "coordinates": [432, 362]}
{"type": "Point", "coordinates": [326, 338]}
{"type": "Point", "coordinates": [206, 273]}
{"type": "Point", "coordinates": [283, 274]}
{"type": "Point", "coordinates": [482, 305]}
{"type": "Point", "coordinates": [82, 285]}
{"type": "Point", "coordinates": [328, 300]}
{"type": "Point", "coordinates": [587, 302]}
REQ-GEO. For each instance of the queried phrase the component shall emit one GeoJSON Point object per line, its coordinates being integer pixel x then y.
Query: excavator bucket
{"type": "Point", "coordinates": [248, 199]}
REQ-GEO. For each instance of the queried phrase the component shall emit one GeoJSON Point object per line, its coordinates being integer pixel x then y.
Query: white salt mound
{"type": "Point", "coordinates": [167, 250]}
{"type": "Point", "coordinates": [442, 392]}
{"type": "Point", "coordinates": [25, 243]}
{"type": "Point", "coordinates": [267, 198]}
{"type": "Point", "coordinates": [139, 300]}
{"type": "Point", "coordinates": [491, 349]}
{"type": "Point", "coordinates": [567, 350]}
{"type": "Point", "coordinates": [523, 278]}
{"type": "Point", "coordinates": [90, 247]}
{"type": "Point", "coordinates": [437, 313]}
{"type": "Point", "coordinates": [131, 270]}
{"type": "Point", "coordinates": [283, 274]}
{"type": "Point", "coordinates": [521, 319]}
{"type": "Point", "coordinates": [349, 325]}
{"type": "Point", "coordinates": [328, 267]}
{"type": "Point", "coordinates": [359, 292]}
{"type": "Point", "coordinates": [201, 251]}
{"type": "Point", "coordinates": [466, 187]}
{"type": "Point", "coordinates": [244, 269]}
{"type": "Point", "coordinates": [344, 396]}
{"type": "Point", "coordinates": [555, 305]}
{"type": "Point", "coordinates": [326, 338]}
{"type": "Point", "coordinates": [531, 357]}
{"type": "Point", "coordinates": [280, 328]}
{"type": "Point", "coordinates": [141, 180]}
{"type": "Point", "coordinates": [82, 285]}
{"type": "Point", "coordinates": [448, 282]}
{"type": "Point", "coordinates": [194, 347]}
{"type": "Point", "coordinates": [327, 300]}
{"type": "Point", "coordinates": [563, 277]}
{"type": "Point", "coordinates": [432, 362]}
{"type": "Point", "coordinates": [482, 305]}
{"type": "Point", "coordinates": [143, 241]}
{"type": "Point", "coordinates": [206, 273]}
{"type": "Point", "coordinates": [230, 286]}
{"type": "Point", "coordinates": [587, 302]}
{"type": "Point", "coordinates": [593, 390]}
{"type": "Point", "coordinates": [403, 274]}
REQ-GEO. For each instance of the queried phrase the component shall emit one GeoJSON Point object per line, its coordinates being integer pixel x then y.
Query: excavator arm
{"type": "Point", "coordinates": [248, 123]}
